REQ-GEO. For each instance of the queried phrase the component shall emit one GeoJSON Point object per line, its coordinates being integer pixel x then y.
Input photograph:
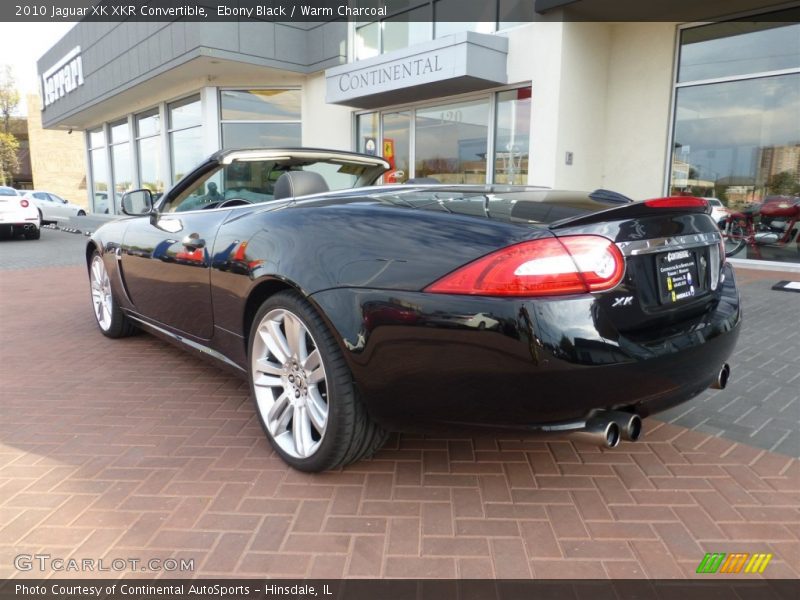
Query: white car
{"type": "Point", "coordinates": [18, 215]}
{"type": "Point", "coordinates": [52, 207]}
{"type": "Point", "coordinates": [718, 209]}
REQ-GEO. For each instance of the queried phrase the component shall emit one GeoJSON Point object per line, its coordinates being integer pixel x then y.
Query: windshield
{"type": "Point", "coordinates": [6, 191]}
{"type": "Point", "coordinates": [253, 181]}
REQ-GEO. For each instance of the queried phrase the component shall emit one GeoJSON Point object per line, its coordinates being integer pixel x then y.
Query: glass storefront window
{"type": "Point", "coordinates": [451, 142]}
{"type": "Point", "coordinates": [738, 140]}
{"type": "Point", "coordinates": [185, 136]}
{"type": "Point", "coordinates": [184, 113]}
{"type": "Point", "coordinates": [100, 180]}
{"type": "Point", "coordinates": [407, 29]}
{"type": "Point", "coordinates": [151, 176]}
{"type": "Point", "coordinates": [260, 105]}
{"type": "Point", "coordinates": [738, 48]}
{"type": "Point", "coordinates": [261, 135]}
{"type": "Point", "coordinates": [367, 42]}
{"type": "Point", "coordinates": [97, 138]}
{"type": "Point", "coordinates": [119, 132]}
{"type": "Point", "coordinates": [148, 148]}
{"type": "Point", "coordinates": [148, 123]}
{"type": "Point", "coordinates": [261, 118]}
{"type": "Point", "coordinates": [186, 148]}
{"type": "Point", "coordinates": [512, 136]}
{"type": "Point", "coordinates": [367, 134]}
{"type": "Point", "coordinates": [397, 146]}
{"type": "Point", "coordinates": [122, 169]}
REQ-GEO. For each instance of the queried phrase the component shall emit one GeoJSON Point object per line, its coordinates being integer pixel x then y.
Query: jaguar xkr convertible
{"type": "Point", "coordinates": [354, 309]}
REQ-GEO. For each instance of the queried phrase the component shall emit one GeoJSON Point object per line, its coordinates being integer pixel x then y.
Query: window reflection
{"type": "Point", "coordinates": [261, 135]}
{"type": "Point", "coordinates": [397, 146]}
{"type": "Point", "coordinates": [512, 136]}
{"type": "Point", "coordinates": [451, 142]}
{"type": "Point", "coordinates": [258, 105]}
{"type": "Point", "coordinates": [100, 180]}
{"type": "Point", "coordinates": [738, 141]}
{"type": "Point", "coordinates": [185, 136]}
{"type": "Point", "coordinates": [739, 48]}
{"type": "Point", "coordinates": [367, 141]}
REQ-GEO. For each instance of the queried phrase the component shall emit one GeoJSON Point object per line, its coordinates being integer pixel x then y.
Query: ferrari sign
{"type": "Point", "coordinates": [63, 77]}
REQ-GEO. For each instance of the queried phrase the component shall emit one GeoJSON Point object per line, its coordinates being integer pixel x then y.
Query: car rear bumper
{"type": "Point", "coordinates": [525, 363]}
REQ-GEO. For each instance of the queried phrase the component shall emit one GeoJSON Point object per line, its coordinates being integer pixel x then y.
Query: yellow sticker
{"type": "Point", "coordinates": [669, 283]}
{"type": "Point", "coordinates": [674, 297]}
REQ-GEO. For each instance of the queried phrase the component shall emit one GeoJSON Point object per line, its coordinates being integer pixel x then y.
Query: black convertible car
{"type": "Point", "coordinates": [354, 309]}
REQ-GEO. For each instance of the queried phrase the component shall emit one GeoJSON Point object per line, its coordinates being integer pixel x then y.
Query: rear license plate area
{"type": "Point", "coordinates": [681, 274]}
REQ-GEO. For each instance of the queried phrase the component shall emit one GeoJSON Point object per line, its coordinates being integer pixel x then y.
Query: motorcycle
{"type": "Point", "coordinates": [774, 224]}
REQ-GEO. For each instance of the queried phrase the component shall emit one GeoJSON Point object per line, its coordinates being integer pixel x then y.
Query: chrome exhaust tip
{"type": "Point", "coordinates": [722, 378]}
{"type": "Point", "coordinates": [599, 431]}
{"type": "Point", "coordinates": [630, 424]}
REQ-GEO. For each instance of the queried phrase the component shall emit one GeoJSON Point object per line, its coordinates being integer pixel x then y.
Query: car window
{"type": "Point", "coordinates": [57, 199]}
{"type": "Point", "coordinates": [253, 181]}
{"type": "Point", "coordinates": [41, 196]}
{"type": "Point", "coordinates": [713, 202]}
{"type": "Point", "coordinates": [4, 191]}
{"type": "Point", "coordinates": [206, 192]}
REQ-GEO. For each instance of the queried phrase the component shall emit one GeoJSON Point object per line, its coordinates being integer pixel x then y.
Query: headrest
{"type": "Point", "coordinates": [299, 183]}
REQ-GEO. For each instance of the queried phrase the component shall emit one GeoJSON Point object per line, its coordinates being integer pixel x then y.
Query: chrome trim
{"type": "Point", "coordinates": [185, 341]}
{"type": "Point", "coordinates": [667, 244]}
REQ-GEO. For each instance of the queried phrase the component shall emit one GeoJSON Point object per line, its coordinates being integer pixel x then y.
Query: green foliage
{"type": "Point", "coordinates": [9, 145]}
{"type": "Point", "coordinates": [9, 96]}
{"type": "Point", "coordinates": [784, 184]}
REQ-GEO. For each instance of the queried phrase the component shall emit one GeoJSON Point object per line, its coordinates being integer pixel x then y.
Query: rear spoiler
{"type": "Point", "coordinates": [645, 208]}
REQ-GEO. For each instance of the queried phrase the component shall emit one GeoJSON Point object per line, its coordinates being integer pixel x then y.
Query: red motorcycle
{"type": "Point", "coordinates": [775, 223]}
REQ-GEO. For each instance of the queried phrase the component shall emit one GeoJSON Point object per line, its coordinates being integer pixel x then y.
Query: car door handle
{"type": "Point", "coordinates": [193, 243]}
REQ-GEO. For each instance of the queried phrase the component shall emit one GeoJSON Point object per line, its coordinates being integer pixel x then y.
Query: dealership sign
{"type": "Point", "coordinates": [449, 65]}
{"type": "Point", "coordinates": [63, 77]}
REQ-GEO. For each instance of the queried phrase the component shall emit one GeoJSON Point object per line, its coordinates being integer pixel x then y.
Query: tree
{"type": "Point", "coordinates": [9, 96]}
{"type": "Point", "coordinates": [784, 184]}
{"type": "Point", "coordinates": [9, 146]}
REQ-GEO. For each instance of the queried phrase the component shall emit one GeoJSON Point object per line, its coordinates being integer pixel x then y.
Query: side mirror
{"type": "Point", "coordinates": [137, 203]}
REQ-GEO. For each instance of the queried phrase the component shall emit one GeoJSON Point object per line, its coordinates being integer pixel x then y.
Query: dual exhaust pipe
{"type": "Point", "coordinates": [608, 427]}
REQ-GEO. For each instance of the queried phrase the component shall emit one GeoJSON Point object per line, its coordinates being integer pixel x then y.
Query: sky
{"type": "Point", "coordinates": [21, 45]}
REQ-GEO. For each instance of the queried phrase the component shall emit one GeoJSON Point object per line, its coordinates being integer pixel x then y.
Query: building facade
{"type": "Point", "coordinates": [644, 108]}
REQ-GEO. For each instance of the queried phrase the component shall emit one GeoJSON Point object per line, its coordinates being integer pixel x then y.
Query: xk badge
{"type": "Point", "coordinates": [622, 301]}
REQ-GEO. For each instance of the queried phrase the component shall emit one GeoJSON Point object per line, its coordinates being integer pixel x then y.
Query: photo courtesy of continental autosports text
{"type": "Point", "coordinates": [430, 299]}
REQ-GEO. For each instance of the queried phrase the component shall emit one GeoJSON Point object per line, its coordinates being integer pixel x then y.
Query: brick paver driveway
{"type": "Point", "coordinates": [132, 448]}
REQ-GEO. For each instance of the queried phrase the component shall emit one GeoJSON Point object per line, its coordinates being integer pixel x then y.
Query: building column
{"type": "Point", "coordinates": [209, 102]}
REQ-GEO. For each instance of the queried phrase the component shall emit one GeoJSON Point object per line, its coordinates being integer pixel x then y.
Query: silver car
{"type": "Point", "coordinates": [53, 207]}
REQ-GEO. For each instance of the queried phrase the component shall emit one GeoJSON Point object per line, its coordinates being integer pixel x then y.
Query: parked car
{"type": "Point", "coordinates": [18, 215]}
{"type": "Point", "coordinates": [52, 207]}
{"type": "Point", "coordinates": [101, 204]}
{"type": "Point", "coordinates": [356, 310]}
{"type": "Point", "coordinates": [718, 210]}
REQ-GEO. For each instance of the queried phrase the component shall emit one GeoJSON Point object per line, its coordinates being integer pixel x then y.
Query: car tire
{"type": "Point", "coordinates": [81, 213]}
{"type": "Point", "coordinates": [108, 315]}
{"type": "Point", "coordinates": [303, 391]}
{"type": "Point", "coordinates": [33, 235]}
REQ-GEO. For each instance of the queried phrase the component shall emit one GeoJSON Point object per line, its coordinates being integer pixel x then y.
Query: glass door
{"type": "Point", "coordinates": [397, 146]}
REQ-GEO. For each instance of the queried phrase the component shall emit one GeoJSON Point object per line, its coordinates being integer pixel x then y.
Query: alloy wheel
{"type": "Point", "coordinates": [101, 293]}
{"type": "Point", "coordinates": [290, 384]}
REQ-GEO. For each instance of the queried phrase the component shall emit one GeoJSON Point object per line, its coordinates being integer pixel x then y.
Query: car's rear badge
{"type": "Point", "coordinates": [622, 301]}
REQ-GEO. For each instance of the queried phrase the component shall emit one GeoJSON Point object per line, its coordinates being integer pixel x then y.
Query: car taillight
{"type": "Point", "coordinates": [23, 203]}
{"type": "Point", "coordinates": [676, 202]}
{"type": "Point", "coordinates": [545, 267]}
